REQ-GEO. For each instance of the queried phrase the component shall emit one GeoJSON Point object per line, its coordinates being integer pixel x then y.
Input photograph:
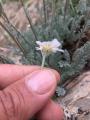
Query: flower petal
{"type": "Point", "coordinates": [46, 43]}
{"type": "Point", "coordinates": [57, 49]}
{"type": "Point", "coordinates": [54, 50]}
{"type": "Point", "coordinates": [39, 43]}
{"type": "Point", "coordinates": [55, 43]}
{"type": "Point", "coordinates": [60, 50]}
{"type": "Point", "coordinates": [38, 48]}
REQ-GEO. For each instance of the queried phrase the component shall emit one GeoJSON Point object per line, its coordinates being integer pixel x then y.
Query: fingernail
{"type": "Point", "coordinates": [41, 82]}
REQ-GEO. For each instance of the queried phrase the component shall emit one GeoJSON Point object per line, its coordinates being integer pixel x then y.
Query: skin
{"type": "Point", "coordinates": [24, 94]}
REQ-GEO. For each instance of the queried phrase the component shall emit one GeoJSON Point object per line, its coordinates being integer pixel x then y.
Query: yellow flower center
{"type": "Point", "coordinates": [47, 49]}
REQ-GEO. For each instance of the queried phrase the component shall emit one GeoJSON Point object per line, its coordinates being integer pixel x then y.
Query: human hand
{"type": "Point", "coordinates": [25, 91]}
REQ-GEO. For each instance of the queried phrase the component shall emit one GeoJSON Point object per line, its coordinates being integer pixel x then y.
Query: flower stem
{"type": "Point", "coordinates": [45, 12]}
{"type": "Point", "coordinates": [43, 61]}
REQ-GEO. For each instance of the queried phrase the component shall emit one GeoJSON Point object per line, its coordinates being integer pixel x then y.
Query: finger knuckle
{"type": "Point", "coordinates": [12, 104]}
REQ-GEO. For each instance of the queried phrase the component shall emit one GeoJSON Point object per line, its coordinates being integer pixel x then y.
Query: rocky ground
{"type": "Point", "coordinates": [77, 100]}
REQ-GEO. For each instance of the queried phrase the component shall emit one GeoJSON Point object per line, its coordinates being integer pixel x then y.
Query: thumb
{"type": "Point", "coordinates": [23, 99]}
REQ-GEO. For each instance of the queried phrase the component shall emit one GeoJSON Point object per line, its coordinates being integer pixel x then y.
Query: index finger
{"type": "Point", "coordinates": [11, 73]}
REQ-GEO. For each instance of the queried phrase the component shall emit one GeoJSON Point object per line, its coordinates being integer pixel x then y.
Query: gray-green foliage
{"type": "Point", "coordinates": [68, 23]}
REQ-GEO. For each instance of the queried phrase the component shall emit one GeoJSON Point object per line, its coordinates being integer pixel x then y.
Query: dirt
{"type": "Point", "coordinates": [17, 16]}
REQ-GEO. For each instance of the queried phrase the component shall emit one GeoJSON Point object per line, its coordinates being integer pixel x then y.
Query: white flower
{"type": "Point", "coordinates": [49, 47]}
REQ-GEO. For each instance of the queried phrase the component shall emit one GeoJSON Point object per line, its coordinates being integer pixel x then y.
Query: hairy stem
{"type": "Point", "coordinates": [45, 14]}
{"type": "Point", "coordinates": [43, 60]}
{"type": "Point", "coordinates": [65, 9]}
{"type": "Point", "coordinates": [29, 20]}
